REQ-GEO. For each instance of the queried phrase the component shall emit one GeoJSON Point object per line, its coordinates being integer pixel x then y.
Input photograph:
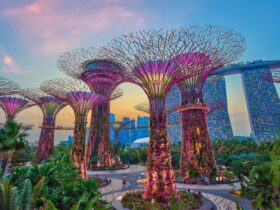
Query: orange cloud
{"type": "Point", "coordinates": [60, 25]}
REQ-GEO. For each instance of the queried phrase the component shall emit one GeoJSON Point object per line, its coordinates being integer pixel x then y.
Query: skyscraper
{"type": "Point", "coordinates": [112, 119]}
{"type": "Point", "coordinates": [218, 121]}
{"type": "Point", "coordinates": [174, 128]}
{"type": "Point", "coordinates": [142, 127]}
{"type": "Point", "coordinates": [263, 105]}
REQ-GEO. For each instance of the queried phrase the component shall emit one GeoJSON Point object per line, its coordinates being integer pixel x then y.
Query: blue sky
{"type": "Point", "coordinates": [34, 33]}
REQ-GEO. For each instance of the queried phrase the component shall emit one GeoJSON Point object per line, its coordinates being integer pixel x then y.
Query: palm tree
{"type": "Point", "coordinates": [11, 198]}
{"type": "Point", "coordinates": [12, 138]}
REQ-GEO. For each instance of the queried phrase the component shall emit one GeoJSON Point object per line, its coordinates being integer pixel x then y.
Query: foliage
{"type": "Point", "coordinates": [26, 154]}
{"type": "Point", "coordinates": [130, 155]}
{"type": "Point", "coordinates": [257, 166]}
{"type": "Point", "coordinates": [61, 149]}
{"type": "Point", "coordinates": [60, 187]}
{"type": "Point", "coordinates": [175, 151]}
{"type": "Point", "coordinates": [184, 201]}
{"type": "Point", "coordinates": [12, 139]}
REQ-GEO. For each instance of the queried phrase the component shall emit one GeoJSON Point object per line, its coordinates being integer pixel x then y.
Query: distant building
{"type": "Point", "coordinates": [112, 119]}
{"type": "Point", "coordinates": [174, 119]}
{"type": "Point", "coordinates": [131, 132]}
{"type": "Point", "coordinates": [261, 96]}
{"type": "Point", "coordinates": [124, 133]}
{"type": "Point", "coordinates": [142, 127]}
{"type": "Point", "coordinates": [218, 121]}
{"type": "Point", "coordinates": [263, 105]}
{"type": "Point", "coordinates": [67, 142]}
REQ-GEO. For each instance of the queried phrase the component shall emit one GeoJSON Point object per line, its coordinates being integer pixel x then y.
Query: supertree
{"type": "Point", "coordinates": [14, 104]}
{"type": "Point", "coordinates": [102, 76]}
{"type": "Point", "coordinates": [273, 75]}
{"type": "Point", "coordinates": [50, 106]}
{"type": "Point", "coordinates": [8, 87]}
{"type": "Point", "coordinates": [219, 46]}
{"type": "Point", "coordinates": [145, 57]}
{"type": "Point", "coordinates": [117, 126]}
{"type": "Point", "coordinates": [145, 107]}
{"type": "Point", "coordinates": [81, 99]}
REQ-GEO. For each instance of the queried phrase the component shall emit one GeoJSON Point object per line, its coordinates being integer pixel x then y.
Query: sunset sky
{"type": "Point", "coordinates": [33, 33]}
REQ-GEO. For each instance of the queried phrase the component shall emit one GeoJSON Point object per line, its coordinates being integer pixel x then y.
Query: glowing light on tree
{"type": "Point", "coordinates": [146, 58]}
{"type": "Point", "coordinates": [12, 105]}
{"type": "Point", "coordinates": [217, 46]}
{"type": "Point", "coordinates": [50, 106]}
{"type": "Point", "coordinates": [81, 99]}
{"type": "Point", "coordinates": [102, 76]}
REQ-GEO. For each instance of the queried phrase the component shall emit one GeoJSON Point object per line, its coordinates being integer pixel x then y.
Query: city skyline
{"type": "Point", "coordinates": [33, 37]}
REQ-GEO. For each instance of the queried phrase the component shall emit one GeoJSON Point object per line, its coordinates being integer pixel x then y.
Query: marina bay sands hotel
{"type": "Point", "coordinates": [262, 101]}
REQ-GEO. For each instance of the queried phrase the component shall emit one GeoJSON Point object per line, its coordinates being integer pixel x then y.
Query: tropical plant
{"type": "Point", "coordinates": [60, 187]}
{"type": "Point", "coordinates": [12, 138]}
{"type": "Point", "coordinates": [260, 185]}
{"type": "Point", "coordinates": [24, 198]}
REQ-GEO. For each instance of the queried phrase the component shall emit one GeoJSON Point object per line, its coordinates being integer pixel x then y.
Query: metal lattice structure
{"type": "Point", "coordinates": [117, 126]}
{"type": "Point", "coordinates": [14, 104]}
{"type": "Point", "coordinates": [218, 47]}
{"type": "Point", "coordinates": [273, 75]}
{"type": "Point", "coordinates": [102, 76]}
{"type": "Point", "coordinates": [8, 87]}
{"type": "Point", "coordinates": [50, 106]}
{"type": "Point", "coordinates": [81, 99]}
{"type": "Point", "coordinates": [146, 58]}
{"type": "Point", "coordinates": [143, 107]}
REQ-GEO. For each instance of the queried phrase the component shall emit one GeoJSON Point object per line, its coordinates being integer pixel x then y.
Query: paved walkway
{"type": "Point", "coordinates": [220, 202]}
{"type": "Point", "coordinates": [216, 196]}
{"type": "Point", "coordinates": [131, 169]}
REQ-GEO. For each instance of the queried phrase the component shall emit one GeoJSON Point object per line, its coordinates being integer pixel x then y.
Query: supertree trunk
{"type": "Point", "coordinates": [10, 117]}
{"type": "Point", "coordinates": [46, 141]}
{"type": "Point", "coordinates": [78, 152]}
{"type": "Point", "coordinates": [197, 157]}
{"type": "Point", "coordinates": [160, 176]}
{"type": "Point", "coordinates": [99, 137]}
{"type": "Point", "coordinates": [99, 141]}
{"type": "Point", "coordinates": [116, 142]}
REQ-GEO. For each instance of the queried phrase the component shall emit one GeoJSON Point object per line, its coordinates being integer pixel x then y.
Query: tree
{"type": "Point", "coordinates": [12, 138]}
{"type": "Point", "coordinates": [25, 198]}
{"type": "Point", "coordinates": [260, 185]}
{"type": "Point", "coordinates": [143, 152]}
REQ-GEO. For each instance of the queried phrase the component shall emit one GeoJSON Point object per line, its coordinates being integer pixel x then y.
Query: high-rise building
{"type": "Point", "coordinates": [112, 119]}
{"type": "Point", "coordinates": [174, 128]}
{"type": "Point", "coordinates": [263, 105]}
{"type": "Point", "coordinates": [218, 121]}
{"type": "Point", "coordinates": [142, 127]}
{"type": "Point", "coordinates": [132, 132]}
{"type": "Point", "coordinates": [124, 133]}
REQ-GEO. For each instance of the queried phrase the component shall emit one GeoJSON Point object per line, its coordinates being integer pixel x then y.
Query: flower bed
{"type": "Point", "coordinates": [185, 201]}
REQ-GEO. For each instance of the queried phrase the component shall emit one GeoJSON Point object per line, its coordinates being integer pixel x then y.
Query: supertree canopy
{"type": "Point", "coordinates": [146, 58]}
{"type": "Point", "coordinates": [143, 107]}
{"type": "Point", "coordinates": [78, 95]}
{"type": "Point", "coordinates": [8, 87]}
{"type": "Point", "coordinates": [273, 75]}
{"type": "Point", "coordinates": [50, 106]}
{"type": "Point", "coordinates": [117, 126]}
{"type": "Point", "coordinates": [14, 104]}
{"type": "Point", "coordinates": [219, 46]}
{"type": "Point", "coordinates": [102, 76]}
